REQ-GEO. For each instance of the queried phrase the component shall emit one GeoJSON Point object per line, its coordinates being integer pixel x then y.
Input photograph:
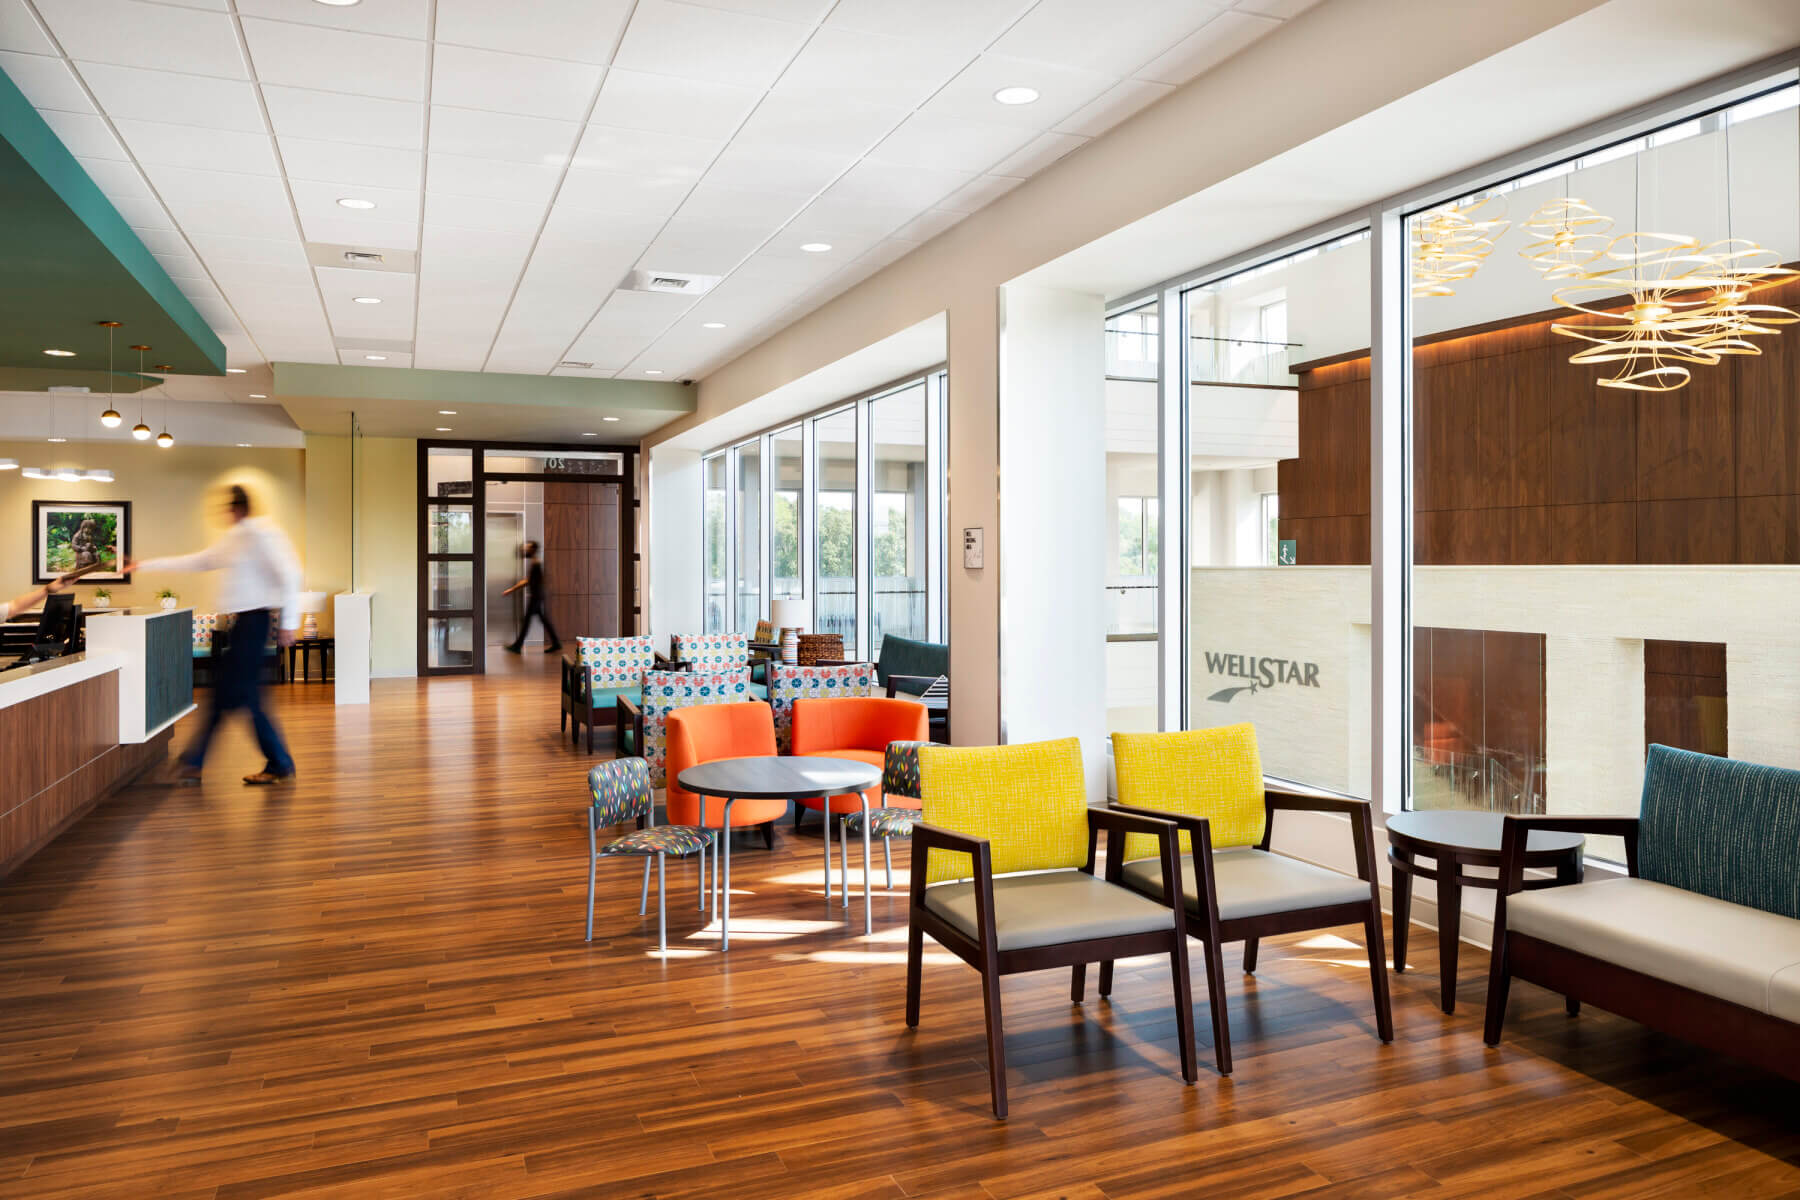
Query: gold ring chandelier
{"type": "Point", "coordinates": [1451, 241]}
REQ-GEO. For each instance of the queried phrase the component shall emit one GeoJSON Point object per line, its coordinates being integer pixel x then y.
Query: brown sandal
{"type": "Point", "coordinates": [267, 778]}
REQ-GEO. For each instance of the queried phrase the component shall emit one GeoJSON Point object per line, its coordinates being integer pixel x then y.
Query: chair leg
{"type": "Point", "coordinates": [825, 836]}
{"type": "Point", "coordinates": [1106, 973]}
{"type": "Point", "coordinates": [915, 958]}
{"type": "Point", "coordinates": [768, 835]}
{"type": "Point", "coordinates": [844, 844]}
{"type": "Point", "coordinates": [1077, 982]}
{"type": "Point", "coordinates": [702, 871]}
{"type": "Point", "coordinates": [996, 1035]}
{"type": "Point", "coordinates": [1215, 999]}
{"type": "Point", "coordinates": [1184, 1010]}
{"type": "Point", "coordinates": [591, 857]}
{"type": "Point", "coordinates": [1378, 981]}
{"type": "Point", "coordinates": [1499, 983]}
{"type": "Point", "coordinates": [644, 895]}
{"type": "Point", "coordinates": [662, 909]}
{"type": "Point", "coordinates": [887, 851]}
{"type": "Point", "coordinates": [1250, 947]}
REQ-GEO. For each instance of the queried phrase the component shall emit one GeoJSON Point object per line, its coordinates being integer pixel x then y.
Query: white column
{"type": "Point", "coordinates": [351, 624]}
{"type": "Point", "coordinates": [676, 551]}
{"type": "Point", "coordinates": [1053, 521]}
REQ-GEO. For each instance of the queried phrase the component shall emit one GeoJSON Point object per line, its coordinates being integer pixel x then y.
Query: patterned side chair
{"type": "Point", "coordinates": [790, 683]}
{"type": "Point", "coordinates": [665, 691]}
{"type": "Point", "coordinates": [204, 624]}
{"type": "Point", "coordinates": [602, 671]}
{"type": "Point", "coordinates": [899, 780]}
{"type": "Point", "coordinates": [622, 792]}
{"type": "Point", "coordinates": [715, 652]}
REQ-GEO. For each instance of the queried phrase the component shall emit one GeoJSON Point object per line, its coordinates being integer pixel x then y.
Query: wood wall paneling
{"type": "Point", "coordinates": [1685, 696]}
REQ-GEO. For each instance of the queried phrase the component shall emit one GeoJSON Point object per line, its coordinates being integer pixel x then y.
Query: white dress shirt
{"type": "Point", "coordinates": [261, 569]}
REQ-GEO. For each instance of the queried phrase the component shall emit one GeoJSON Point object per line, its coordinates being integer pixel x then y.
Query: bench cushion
{"type": "Point", "coordinates": [1050, 909]}
{"type": "Point", "coordinates": [1723, 828]}
{"type": "Point", "coordinates": [1738, 954]}
{"type": "Point", "coordinates": [1252, 883]}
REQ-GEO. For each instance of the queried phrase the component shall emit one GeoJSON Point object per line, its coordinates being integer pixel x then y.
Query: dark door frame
{"type": "Point", "coordinates": [626, 480]}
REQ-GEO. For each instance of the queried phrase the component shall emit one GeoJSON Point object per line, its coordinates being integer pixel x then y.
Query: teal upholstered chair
{"type": "Point", "coordinates": [622, 793]}
{"type": "Point", "coordinates": [899, 781]}
{"type": "Point", "coordinates": [603, 671]}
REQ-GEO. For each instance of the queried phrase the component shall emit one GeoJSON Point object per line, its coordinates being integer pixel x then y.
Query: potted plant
{"type": "Point", "coordinates": [166, 598]}
{"type": "Point", "coordinates": [102, 598]}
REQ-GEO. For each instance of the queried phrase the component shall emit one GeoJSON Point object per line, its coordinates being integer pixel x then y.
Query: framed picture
{"type": "Point", "coordinates": [67, 535]}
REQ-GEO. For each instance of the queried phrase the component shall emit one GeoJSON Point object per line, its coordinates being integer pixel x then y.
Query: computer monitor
{"type": "Point", "coordinates": [56, 627]}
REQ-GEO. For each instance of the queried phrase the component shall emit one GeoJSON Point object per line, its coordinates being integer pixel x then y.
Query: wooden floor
{"type": "Point", "coordinates": [374, 983]}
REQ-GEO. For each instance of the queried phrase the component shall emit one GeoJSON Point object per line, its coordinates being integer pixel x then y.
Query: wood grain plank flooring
{"type": "Point", "coordinates": [373, 983]}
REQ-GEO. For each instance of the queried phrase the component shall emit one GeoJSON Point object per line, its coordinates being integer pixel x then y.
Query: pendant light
{"type": "Point", "coordinates": [165, 439]}
{"type": "Point", "coordinates": [1451, 241]}
{"type": "Point", "coordinates": [1745, 267]}
{"type": "Point", "coordinates": [140, 431]}
{"type": "Point", "coordinates": [1570, 234]}
{"type": "Point", "coordinates": [110, 418]}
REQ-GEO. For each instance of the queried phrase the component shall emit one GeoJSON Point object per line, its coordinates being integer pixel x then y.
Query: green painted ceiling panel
{"type": "Point", "coordinates": [68, 260]}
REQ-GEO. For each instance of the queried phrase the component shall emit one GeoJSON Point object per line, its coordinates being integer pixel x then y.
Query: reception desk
{"type": "Point", "coordinates": [75, 729]}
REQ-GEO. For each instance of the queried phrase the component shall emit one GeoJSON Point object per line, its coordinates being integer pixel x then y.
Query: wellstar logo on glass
{"type": "Point", "coordinates": [1261, 673]}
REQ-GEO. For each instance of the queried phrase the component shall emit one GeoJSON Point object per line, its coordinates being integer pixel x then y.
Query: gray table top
{"type": "Point", "coordinates": [1472, 830]}
{"type": "Point", "coordinates": [784, 778]}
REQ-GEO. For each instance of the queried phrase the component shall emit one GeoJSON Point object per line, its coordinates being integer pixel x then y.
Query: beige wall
{"type": "Point", "coordinates": [384, 532]}
{"type": "Point", "coordinates": [176, 506]}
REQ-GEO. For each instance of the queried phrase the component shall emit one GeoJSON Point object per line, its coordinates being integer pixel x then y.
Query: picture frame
{"type": "Point", "coordinates": [65, 533]}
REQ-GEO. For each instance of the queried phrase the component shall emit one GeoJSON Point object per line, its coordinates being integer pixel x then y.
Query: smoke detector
{"type": "Point", "coordinates": [679, 283]}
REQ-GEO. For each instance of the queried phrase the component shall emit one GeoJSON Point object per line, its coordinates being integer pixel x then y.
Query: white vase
{"type": "Point", "coordinates": [169, 602]}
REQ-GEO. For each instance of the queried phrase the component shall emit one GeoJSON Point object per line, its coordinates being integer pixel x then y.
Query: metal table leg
{"type": "Point", "coordinates": [868, 893]}
{"type": "Point", "coordinates": [825, 816]}
{"type": "Point", "coordinates": [725, 912]}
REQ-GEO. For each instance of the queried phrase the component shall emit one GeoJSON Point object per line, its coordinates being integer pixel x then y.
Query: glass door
{"type": "Point", "coordinates": [451, 564]}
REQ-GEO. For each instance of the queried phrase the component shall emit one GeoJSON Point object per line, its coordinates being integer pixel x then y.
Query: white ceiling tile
{"type": "Point", "coordinates": [334, 117]}
{"type": "Point", "coordinates": [1122, 100]}
{"type": "Point", "coordinates": [204, 217]}
{"type": "Point", "coordinates": [696, 43]}
{"type": "Point", "coordinates": [928, 225]}
{"type": "Point", "coordinates": [632, 195]}
{"type": "Point", "coordinates": [845, 218]}
{"type": "Point", "coordinates": [144, 214]}
{"type": "Point", "coordinates": [818, 123]}
{"type": "Point", "coordinates": [783, 270]}
{"type": "Point", "coordinates": [928, 141]}
{"type": "Point", "coordinates": [1061, 90]}
{"type": "Point", "coordinates": [1041, 152]}
{"type": "Point", "coordinates": [164, 241]}
{"type": "Point", "coordinates": [447, 354]}
{"type": "Point", "coordinates": [635, 151]}
{"type": "Point", "coordinates": [347, 163]}
{"type": "Point", "coordinates": [392, 222]}
{"type": "Point", "coordinates": [357, 229]}
{"type": "Point", "coordinates": [179, 264]}
{"type": "Point", "coordinates": [191, 146]}
{"type": "Point", "coordinates": [182, 187]}
{"type": "Point", "coordinates": [1286, 10]}
{"type": "Point", "coordinates": [1097, 37]}
{"type": "Point", "coordinates": [238, 277]}
{"type": "Point", "coordinates": [126, 92]}
{"type": "Point", "coordinates": [784, 170]}
{"type": "Point", "coordinates": [883, 183]}
{"type": "Point", "coordinates": [274, 306]}
{"type": "Point", "coordinates": [870, 68]}
{"type": "Point", "coordinates": [665, 104]}
{"type": "Point", "coordinates": [971, 24]}
{"type": "Point", "coordinates": [391, 319]}
{"type": "Point", "coordinates": [583, 30]}
{"type": "Point", "coordinates": [396, 18]}
{"type": "Point", "coordinates": [845, 246]}
{"type": "Point", "coordinates": [710, 202]}
{"type": "Point", "coordinates": [703, 247]}
{"type": "Point", "coordinates": [375, 358]}
{"type": "Point", "coordinates": [513, 83]}
{"type": "Point", "coordinates": [504, 136]}
{"type": "Point", "coordinates": [472, 254]}
{"type": "Point", "coordinates": [483, 212]}
{"type": "Point", "coordinates": [1207, 47]}
{"type": "Point", "coordinates": [608, 352]}
{"type": "Point", "coordinates": [20, 31]}
{"type": "Point", "coordinates": [46, 82]}
{"type": "Point", "coordinates": [84, 135]}
{"type": "Point", "coordinates": [116, 178]}
{"type": "Point", "coordinates": [253, 250]}
{"type": "Point", "coordinates": [131, 34]}
{"type": "Point", "coordinates": [571, 225]}
{"type": "Point", "coordinates": [336, 60]}
{"type": "Point", "coordinates": [455, 175]}
{"type": "Point", "coordinates": [807, 12]}
{"type": "Point", "coordinates": [978, 193]}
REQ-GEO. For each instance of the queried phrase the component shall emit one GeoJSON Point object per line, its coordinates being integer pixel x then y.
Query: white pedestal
{"type": "Point", "coordinates": [350, 626]}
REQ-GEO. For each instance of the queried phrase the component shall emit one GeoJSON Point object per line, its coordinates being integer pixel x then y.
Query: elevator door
{"type": "Point", "coordinates": [505, 534]}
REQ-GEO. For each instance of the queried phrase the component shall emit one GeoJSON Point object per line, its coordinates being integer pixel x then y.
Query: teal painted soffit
{"type": "Point", "coordinates": [69, 260]}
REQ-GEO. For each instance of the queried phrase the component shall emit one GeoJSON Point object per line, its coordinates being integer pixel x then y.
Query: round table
{"type": "Point", "coordinates": [784, 778]}
{"type": "Point", "coordinates": [1455, 839]}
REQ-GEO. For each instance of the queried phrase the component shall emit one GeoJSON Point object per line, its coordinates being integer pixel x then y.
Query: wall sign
{"type": "Point", "coordinates": [1287, 553]}
{"type": "Point", "coordinates": [1260, 672]}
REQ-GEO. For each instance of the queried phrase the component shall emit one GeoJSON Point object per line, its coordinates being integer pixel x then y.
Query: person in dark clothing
{"type": "Point", "coordinates": [533, 583]}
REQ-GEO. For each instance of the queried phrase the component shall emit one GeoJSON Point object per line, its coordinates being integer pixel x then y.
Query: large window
{"type": "Point", "coordinates": [843, 510]}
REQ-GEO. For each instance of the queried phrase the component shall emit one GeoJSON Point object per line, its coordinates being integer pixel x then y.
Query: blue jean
{"type": "Point", "coordinates": [237, 683]}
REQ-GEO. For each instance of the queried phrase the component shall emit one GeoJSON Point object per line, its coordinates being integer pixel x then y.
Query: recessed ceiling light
{"type": "Point", "coordinates": [56, 439]}
{"type": "Point", "coordinates": [653, 372]}
{"type": "Point", "coordinates": [366, 299]}
{"type": "Point", "coordinates": [338, 3]}
{"type": "Point", "coordinates": [234, 370]}
{"type": "Point", "coordinates": [243, 445]}
{"type": "Point", "coordinates": [355, 202]}
{"type": "Point", "coordinates": [609, 418]}
{"type": "Point", "coordinates": [259, 396]}
{"type": "Point", "coordinates": [375, 357]}
{"type": "Point", "coordinates": [443, 429]}
{"type": "Point", "coordinates": [1016, 95]}
{"type": "Point", "coordinates": [815, 247]}
{"type": "Point", "coordinates": [712, 325]}
{"type": "Point", "coordinates": [583, 435]}
{"type": "Point", "coordinates": [446, 412]}
{"type": "Point", "coordinates": [60, 353]}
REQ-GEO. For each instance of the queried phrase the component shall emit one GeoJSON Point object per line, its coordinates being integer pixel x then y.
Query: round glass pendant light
{"type": "Point", "coordinates": [110, 418]}
{"type": "Point", "coordinates": [140, 431]}
{"type": "Point", "coordinates": [165, 439]}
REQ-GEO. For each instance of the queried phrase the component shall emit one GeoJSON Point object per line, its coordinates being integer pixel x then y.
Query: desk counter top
{"type": "Point", "coordinates": [40, 679]}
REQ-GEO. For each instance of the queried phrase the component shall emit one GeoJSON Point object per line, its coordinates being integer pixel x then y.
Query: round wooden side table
{"type": "Point", "coordinates": [1455, 840]}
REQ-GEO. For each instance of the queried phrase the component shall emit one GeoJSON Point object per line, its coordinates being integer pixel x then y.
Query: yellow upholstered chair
{"type": "Point", "coordinates": [1209, 783]}
{"type": "Point", "coordinates": [991, 813]}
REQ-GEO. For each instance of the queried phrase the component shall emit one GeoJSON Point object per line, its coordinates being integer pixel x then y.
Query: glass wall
{"type": "Point", "coordinates": [1277, 510]}
{"type": "Point", "coordinates": [1133, 344]}
{"type": "Point", "coordinates": [844, 510]}
{"type": "Point", "coordinates": [1605, 481]}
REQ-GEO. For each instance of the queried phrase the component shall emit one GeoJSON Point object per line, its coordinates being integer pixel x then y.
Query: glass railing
{"type": "Point", "coordinates": [1131, 612]}
{"type": "Point", "coordinates": [1241, 361]}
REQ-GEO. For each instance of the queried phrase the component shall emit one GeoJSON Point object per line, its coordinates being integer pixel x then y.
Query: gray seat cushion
{"type": "Point", "coordinates": [1050, 909]}
{"type": "Point", "coordinates": [1252, 883]}
{"type": "Point", "coordinates": [1739, 954]}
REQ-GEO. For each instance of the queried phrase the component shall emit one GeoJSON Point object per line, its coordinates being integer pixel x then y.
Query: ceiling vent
{"type": "Point", "coordinates": [679, 283]}
{"type": "Point", "coordinates": [571, 365]}
{"type": "Point", "coordinates": [362, 257]}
